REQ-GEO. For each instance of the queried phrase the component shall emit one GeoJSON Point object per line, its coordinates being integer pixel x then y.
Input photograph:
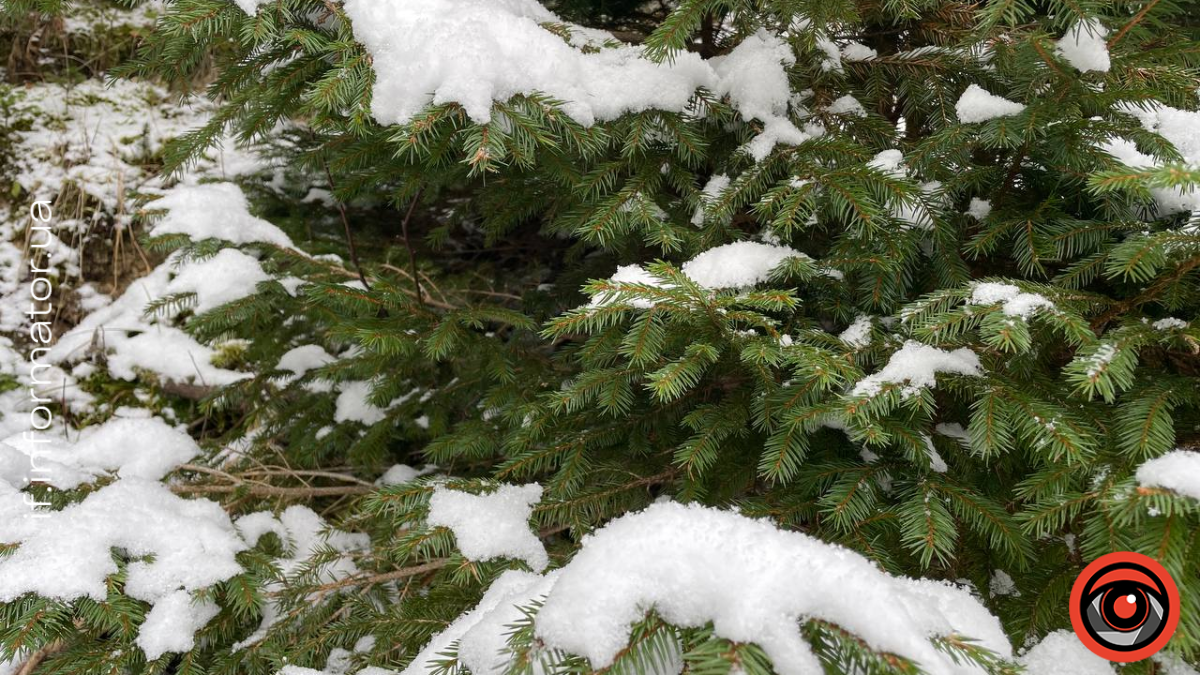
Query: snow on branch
{"type": "Point", "coordinates": [916, 366]}
{"type": "Point", "coordinates": [696, 565]}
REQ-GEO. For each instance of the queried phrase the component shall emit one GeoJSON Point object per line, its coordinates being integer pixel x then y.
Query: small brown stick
{"type": "Point", "coordinates": [1137, 18]}
{"type": "Point", "coordinates": [346, 226]}
{"type": "Point", "coordinates": [255, 490]}
{"type": "Point", "coordinates": [412, 257]}
{"type": "Point", "coordinates": [370, 580]}
{"type": "Point", "coordinates": [35, 659]}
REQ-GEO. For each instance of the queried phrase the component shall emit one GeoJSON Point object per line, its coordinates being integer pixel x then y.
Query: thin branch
{"type": "Point", "coordinates": [256, 490]}
{"type": "Point", "coordinates": [1137, 18]}
{"type": "Point", "coordinates": [412, 257]}
{"type": "Point", "coordinates": [346, 226]}
{"type": "Point", "coordinates": [35, 659]}
{"type": "Point", "coordinates": [402, 573]}
{"type": "Point", "coordinates": [1148, 295]}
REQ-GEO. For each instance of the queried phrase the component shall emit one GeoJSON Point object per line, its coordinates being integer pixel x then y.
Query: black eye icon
{"type": "Point", "coordinates": [1125, 608]}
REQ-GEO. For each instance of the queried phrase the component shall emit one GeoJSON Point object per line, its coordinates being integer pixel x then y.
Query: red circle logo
{"type": "Point", "coordinates": [1124, 606]}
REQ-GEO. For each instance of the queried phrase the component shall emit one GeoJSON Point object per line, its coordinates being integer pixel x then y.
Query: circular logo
{"type": "Point", "coordinates": [1124, 607]}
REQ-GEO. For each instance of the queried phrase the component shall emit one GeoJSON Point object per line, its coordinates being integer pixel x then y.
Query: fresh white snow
{"type": "Point", "coordinates": [858, 334]}
{"type": "Point", "coordinates": [213, 211]}
{"type": "Point", "coordinates": [1178, 471]}
{"type": "Point", "coordinates": [916, 366]}
{"type": "Point", "coordinates": [740, 264]}
{"type": "Point", "coordinates": [474, 52]}
{"type": "Point", "coordinates": [492, 525]}
{"type": "Point", "coordinates": [692, 565]}
{"type": "Point", "coordinates": [978, 105]}
{"type": "Point", "coordinates": [1061, 653]}
{"type": "Point", "coordinates": [979, 209]}
{"type": "Point", "coordinates": [1014, 301]}
{"type": "Point", "coordinates": [1084, 46]}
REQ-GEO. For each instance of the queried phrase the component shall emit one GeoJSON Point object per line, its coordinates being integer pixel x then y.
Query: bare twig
{"type": "Point", "coordinates": [346, 226]}
{"type": "Point", "coordinates": [1137, 18]}
{"type": "Point", "coordinates": [412, 256]}
{"type": "Point", "coordinates": [261, 490]}
{"type": "Point", "coordinates": [35, 659]}
{"type": "Point", "coordinates": [372, 579]}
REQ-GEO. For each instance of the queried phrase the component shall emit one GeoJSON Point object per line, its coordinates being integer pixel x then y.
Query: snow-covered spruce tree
{"type": "Point", "coordinates": [888, 333]}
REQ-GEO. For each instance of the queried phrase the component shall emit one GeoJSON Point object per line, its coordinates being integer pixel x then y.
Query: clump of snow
{"type": "Point", "coordinates": [1178, 471]}
{"type": "Point", "coordinates": [340, 660]}
{"type": "Point", "coordinates": [858, 335]}
{"type": "Point", "coordinates": [915, 366]}
{"type": "Point", "coordinates": [1084, 46]}
{"type": "Point", "coordinates": [847, 105]}
{"type": "Point", "coordinates": [509, 589]}
{"type": "Point", "coordinates": [936, 463]}
{"type": "Point", "coordinates": [628, 274]}
{"type": "Point", "coordinates": [1170, 323]}
{"type": "Point", "coordinates": [856, 51]}
{"type": "Point", "coordinates": [956, 431]}
{"type": "Point", "coordinates": [1178, 127]}
{"type": "Point", "coordinates": [1001, 584]}
{"type": "Point", "coordinates": [1098, 361]}
{"type": "Point", "coordinates": [1015, 302]}
{"type": "Point", "coordinates": [492, 525]}
{"type": "Point", "coordinates": [979, 209]}
{"type": "Point", "coordinates": [752, 75]}
{"type": "Point", "coordinates": [250, 6]}
{"type": "Point", "coordinates": [228, 276]}
{"type": "Point", "coordinates": [303, 533]}
{"type": "Point", "coordinates": [481, 647]}
{"type": "Point", "coordinates": [398, 474]}
{"type": "Point", "coordinates": [171, 625]}
{"type": "Point", "coordinates": [353, 405]}
{"type": "Point", "coordinates": [300, 360]}
{"type": "Point", "coordinates": [978, 105]}
{"type": "Point", "coordinates": [740, 264]}
{"type": "Point", "coordinates": [832, 61]}
{"type": "Point", "coordinates": [914, 214]}
{"type": "Point", "coordinates": [133, 341]}
{"type": "Point", "coordinates": [213, 211]}
{"type": "Point", "coordinates": [755, 78]}
{"type": "Point", "coordinates": [176, 547]}
{"type": "Point", "coordinates": [1171, 664]}
{"type": "Point", "coordinates": [711, 190]}
{"type": "Point", "coordinates": [890, 162]}
{"type": "Point", "coordinates": [692, 565]}
{"type": "Point", "coordinates": [129, 448]}
{"type": "Point", "coordinates": [474, 52]}
{"type": "Point", "coordinates": [1061, 653]}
